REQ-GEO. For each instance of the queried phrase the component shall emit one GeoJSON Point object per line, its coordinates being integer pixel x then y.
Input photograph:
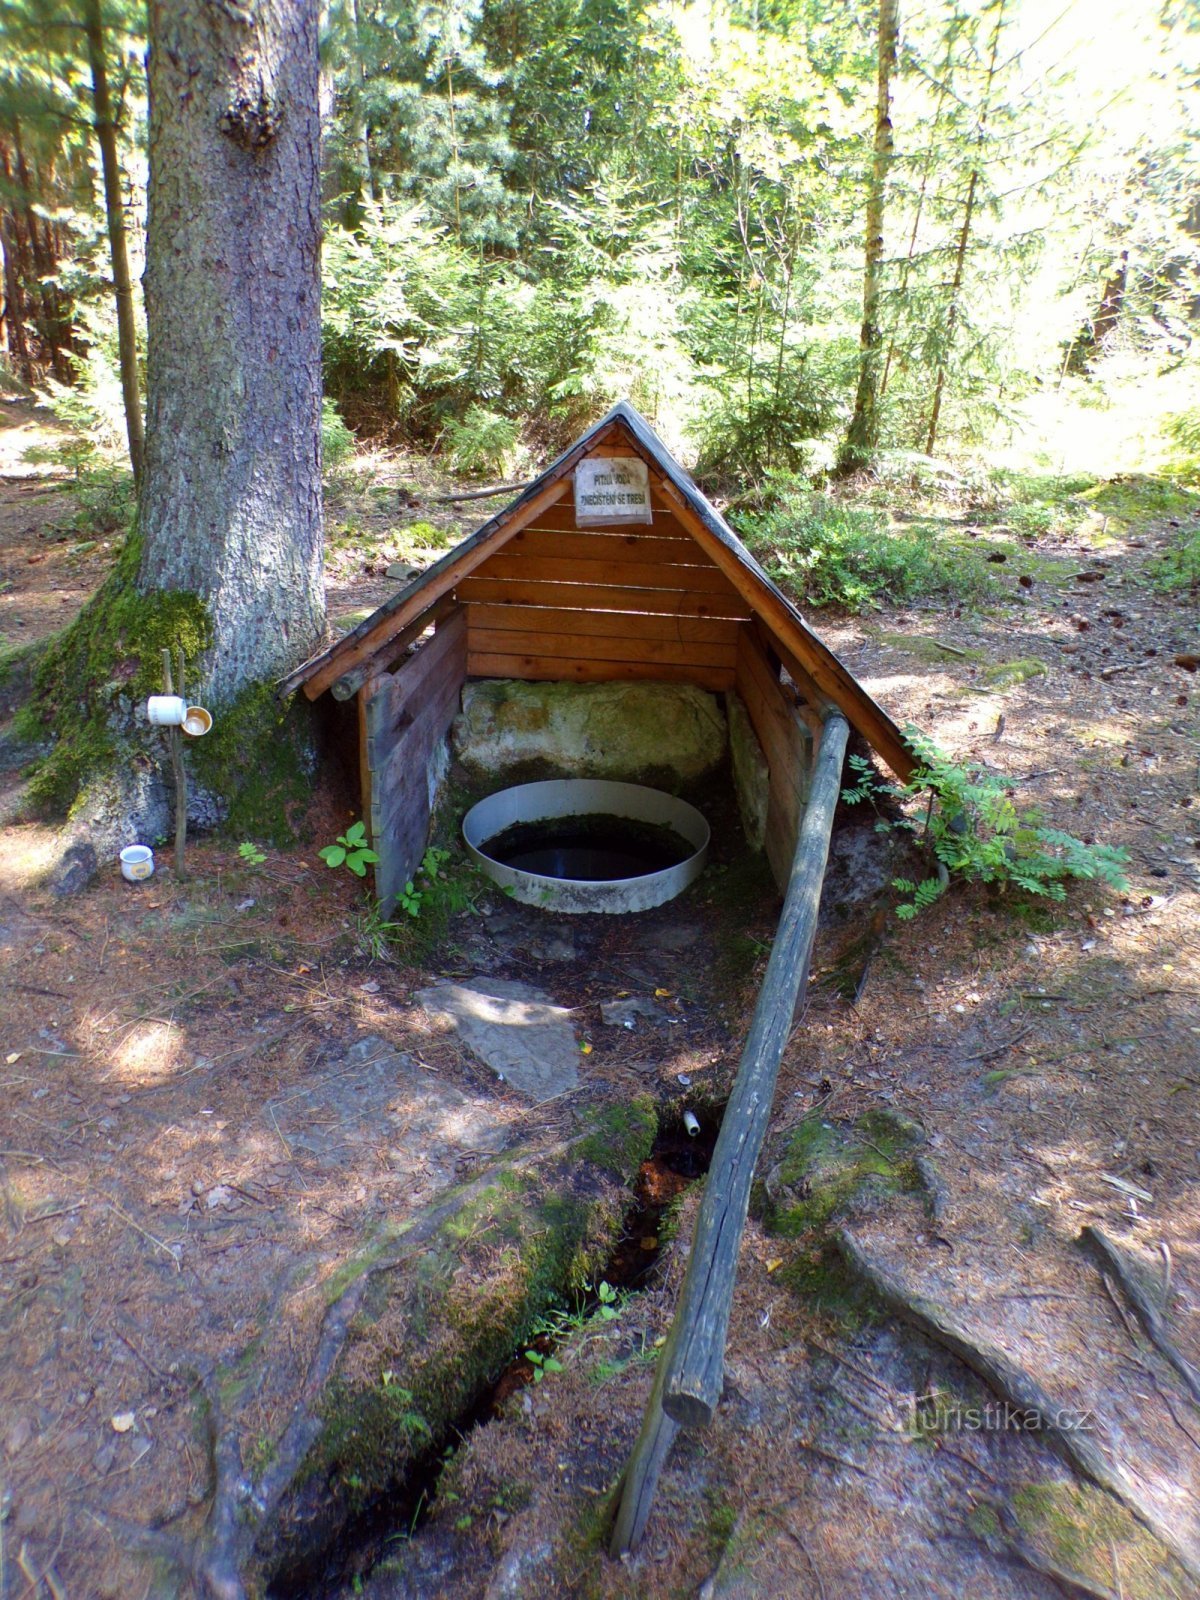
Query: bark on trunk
{"type": "Point", "coordinates": [960, 260]}
{"type": "Point", "coordinates": [16, 311]}
{"type": "Point", "coordinates": [106, 138]}
{"type": "Point", "coordinates": [54, 328]}
{"type": "Point", "coordinates": [862, 437]}
{"type": "Point", "coordinates": [964, 236]}
{"type": "Point", "coordinates": [231, 507]}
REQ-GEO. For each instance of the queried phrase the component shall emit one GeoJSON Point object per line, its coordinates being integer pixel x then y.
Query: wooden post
{"type": "Point", "coordinates": [175, 742]}
{"type": "Point", "coordinates": [691, 1368]}
{"type": "Point", "coordinates": [633, 1497]}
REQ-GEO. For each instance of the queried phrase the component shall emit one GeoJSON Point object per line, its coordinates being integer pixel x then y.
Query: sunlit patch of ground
{"type": "Point", "coordinates": [29, 850]}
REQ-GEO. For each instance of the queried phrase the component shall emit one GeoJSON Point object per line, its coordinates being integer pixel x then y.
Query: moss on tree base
{"type": "Point", "coordinates": [85, 709]}
{"type": "Point", "coordinates": [92, 679]}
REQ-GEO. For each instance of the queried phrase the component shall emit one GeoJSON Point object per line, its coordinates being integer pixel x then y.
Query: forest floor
{"type": "Point", "coordinates": [226, 1117]}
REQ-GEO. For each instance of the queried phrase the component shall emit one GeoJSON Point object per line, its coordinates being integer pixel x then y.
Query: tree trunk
{"type": "Point", "coordinates": [862, 436]}
{"type": "Point", "coordinates": [960, 257]}
{"type": "Point", "coordinates": [106, 138]}
{"type": "Point", "coordinates": [16, 310]}
{"type": "Point", "coordinates": [231, 506]}
{"type": "Point", "coordinates": [964, 236]}
{"type": "Point", "coordinates": [1090, 339]}
{"type": "Point", "coordinates": [13, 310]}
{"type": "Point", "coordinates": [54, 330]}
{"type": "Point", "coordinates": [360, 134]}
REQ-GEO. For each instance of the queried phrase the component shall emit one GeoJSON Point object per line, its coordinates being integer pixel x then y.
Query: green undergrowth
{"type": "Point", "coordinates": [826, 552]}
{"type": "Point", "coordinates": [1041, 505]}
{"type": "Point", "coordinates": [1179, 566]}
{"type": "Point", "coordinates": [971, 828]}
{"type": "Point", "coordinates": [1139, 498]}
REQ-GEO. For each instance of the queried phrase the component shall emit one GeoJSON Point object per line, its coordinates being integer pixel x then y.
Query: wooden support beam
{"type": "Point", "coordinates": [425, 591]}
{"type": "Point", "coordinates": [691, 1368]}
{"type": "Point", "coordinates": [348, 685]}
{"type": "Point", "coordinates": [695, 1371]}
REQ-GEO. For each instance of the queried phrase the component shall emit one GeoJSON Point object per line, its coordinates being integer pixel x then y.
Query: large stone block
{"type": "Point", "coordinates": [751, 775]}
{"type": "Point", "coordinates": [666, 734]}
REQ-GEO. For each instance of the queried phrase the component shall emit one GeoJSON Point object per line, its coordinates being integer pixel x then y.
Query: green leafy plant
{"type": "Point", "coordinates": [609, 1308]}
{"type": "Point", "coordinates": [432, 862]}
{"type": "Point", "coordinates": [482, 442]}
{"type": "Point", "coordinates": [542, 1364]}
{"type": "Point", "coordinates": [1179, 567]}
{"type": "Point", "coordinates": [974, 830]}
{"type": "Point", "coordinates": [251, 854]}
{"type": "Point", "coordinates": [337, 440]}
{"type": "Point", "coordinates": [351, 850]}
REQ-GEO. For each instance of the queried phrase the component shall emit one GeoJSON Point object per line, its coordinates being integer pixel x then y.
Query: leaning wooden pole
{"type": "Point", "coordinates": [687, 1385]}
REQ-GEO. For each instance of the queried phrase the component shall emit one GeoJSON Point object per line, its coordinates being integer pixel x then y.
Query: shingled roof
{"type": "Point", "coordinates": [815, 669]}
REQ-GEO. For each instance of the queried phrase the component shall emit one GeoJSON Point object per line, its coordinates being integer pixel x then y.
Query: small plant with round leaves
{"type": "Point", "coordinates": [542, 1364]}
{"type": "Point", "coordinates": [411, 898]}
{"type": "Point", "coordinates": [351, 850]}
{"type": "Point", "coordinates": [609, 1308]}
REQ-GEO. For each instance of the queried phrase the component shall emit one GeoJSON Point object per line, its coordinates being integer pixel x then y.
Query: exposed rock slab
{"type": "Point", "coordinates": [1062, 1350]}
{"type": "Point", "coordinates": [512, 1028]}
{"type": "Point", "coordinates": [378, 1095]}
{"type": "Point", "coordinates": [512, 732]}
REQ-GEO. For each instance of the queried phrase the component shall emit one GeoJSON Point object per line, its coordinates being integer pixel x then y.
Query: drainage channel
{"type": "Point", "coordinates": [675, 1161]}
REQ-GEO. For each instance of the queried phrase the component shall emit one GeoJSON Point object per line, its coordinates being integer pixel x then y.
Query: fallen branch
{"type": "Point", "coordinates": [476, 494]}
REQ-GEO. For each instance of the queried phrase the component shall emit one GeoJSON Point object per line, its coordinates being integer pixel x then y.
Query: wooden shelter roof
{"type": "Point", "coordinates": [814, 668]}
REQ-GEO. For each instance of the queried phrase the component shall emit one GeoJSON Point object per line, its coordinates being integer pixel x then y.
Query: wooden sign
{"type": "Point", "coordinates": [612, 490]}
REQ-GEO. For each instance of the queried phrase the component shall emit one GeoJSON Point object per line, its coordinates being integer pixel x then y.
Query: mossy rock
{"type": "Point", "coordinates": [432, 1327]}
{"type": "Point", "coordinates": [931, 650]}
{"type": "Point", "coordinates": [827, 1172]}
{"type": "Point", "coordinates": [1004, 674]}
{"type": "Point", "coordinates": [829, 1166]}
{"type": "Point", "coordinates": [1079, 1533]}
{"type": "Point", "coordinates": [666, 734]}
{"type": "Point", "coordinates": [623, 1137]}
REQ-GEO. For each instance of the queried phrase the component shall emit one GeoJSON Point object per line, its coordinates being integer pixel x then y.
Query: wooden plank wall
{"type": "Point", "coordinates": [787, 743]}
{"type": "Point", "coordinates": [403, 715]}
{"type": "Point", "coordinates": [558, 602]}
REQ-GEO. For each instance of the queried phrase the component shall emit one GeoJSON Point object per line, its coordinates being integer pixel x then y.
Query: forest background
{"type": "Point", "coordinates": [534, 209]}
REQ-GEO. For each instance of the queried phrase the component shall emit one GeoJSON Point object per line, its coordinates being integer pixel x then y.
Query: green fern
{"type": "Point", "coordinates": [974, 831]}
